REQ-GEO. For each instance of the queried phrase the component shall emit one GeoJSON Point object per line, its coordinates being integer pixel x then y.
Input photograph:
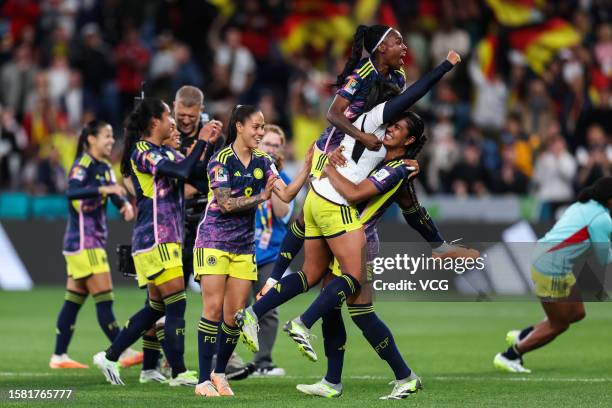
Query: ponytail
{"type": "Point", "coordinates": [600, 191]}
{"type": "Point", "coordinates": [356, 51]}
{"type": "Point", "coordinates": [91, 128]}
{"type": "Point", "coordinates": [136, 125]}
{"type": "Point", "coordinates": [240, 113]}
{"type": "Point", "coordinates": [368, 38]}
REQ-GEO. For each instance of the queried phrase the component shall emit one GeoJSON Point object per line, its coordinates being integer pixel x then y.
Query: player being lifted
{"type": "Point", "coordinates": [158, 234]}
{"type": "Point", "coordinates": [90, 184]}
{"type": "Point", "coordinates": [335, 229]}
{"type": "Point", "coordinates": [585, 225]}
{"type": "Point", "coordinates": [240, 178]}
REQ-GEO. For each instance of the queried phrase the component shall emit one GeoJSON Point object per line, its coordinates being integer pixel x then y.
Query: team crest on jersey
{"type": "Point", "coordinates": [258, 173]}
{"type": "Point", "coordinates": [221, 174]}
{"type": "Point", "coordinates": [351, 86]}
{"type": "Point", "coordinates": [381, 174]}
{"type": "Point", "coordinates": [154, 158]}
{"type": "Point", "coordinates": [211, 260]}
{"type": "Point", "coordinates": [78, 173]}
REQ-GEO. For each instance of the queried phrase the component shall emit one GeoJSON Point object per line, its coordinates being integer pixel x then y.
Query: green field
{"type": "Point", "coordinates": [450, 345]}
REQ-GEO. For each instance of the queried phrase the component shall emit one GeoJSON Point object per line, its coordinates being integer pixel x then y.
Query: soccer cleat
{"type": "Point", "coordinates": [512, 366]}
{"type": "Point", "coordinates": [206, 389]}
{"type": "Point", "coordinates": [320, 389]}
{"type": "Point", "coordinates": [512, 337]}
{"type": "Point", "coordinates": [110, 369]}
{"type": "Point", "coordinates": [453, 250]}
{"type": "Point", "coordinates": [239, 373]}
{"type": "Point", "coordinates": [249, 326]}
{"type": "Point", "coordinates": [403, 389]}
{"type": "Point", "coordinates": [270, 371]}
{"type": "Point", "coordinates": [301, 335]}
{"type": "Point", "coordinates": [186, 378]}
{"type": "Point", "coordinates": [130, 358]}
{"type": "Point", "coordinates": [221, 384]}
{"type": "Point", "coordinates": [147, 376]}
{"type": "Point", "coordinates": [63, 361]}
{"type": "Point", "coordinates": [164, 367]}
{"type": "Point", "coordinates": [235, 361]}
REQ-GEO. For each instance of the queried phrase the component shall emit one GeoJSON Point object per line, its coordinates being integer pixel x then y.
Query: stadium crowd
{"type": "Point", "coordinates": [501, 126]}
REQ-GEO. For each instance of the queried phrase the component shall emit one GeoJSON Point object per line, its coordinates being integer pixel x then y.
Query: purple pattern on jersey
{"type": "Point", "coordinates": [86, 227]}
{"type": "Point", "coordinates": [356, 89]}
{"type": "Point", "coordinates": [234, 232]}
{"type": "Point", "coordinates": [160, 218]}
{"type": "Point", "coordinates": [385, 177]}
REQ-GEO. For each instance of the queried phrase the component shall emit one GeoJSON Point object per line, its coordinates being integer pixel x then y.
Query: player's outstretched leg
{"type": "Point", "coordinates": [334, 340]}
{"type": "Point", "coordinates": [247, 319]}
{"type": "Point", "coordinates": [151, 358]}
{"type": "Point", "coordinates": [107, 361]}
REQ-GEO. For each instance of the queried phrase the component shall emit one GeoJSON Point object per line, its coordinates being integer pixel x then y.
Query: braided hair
{"type": "Point", "coordinates": [368, 38]}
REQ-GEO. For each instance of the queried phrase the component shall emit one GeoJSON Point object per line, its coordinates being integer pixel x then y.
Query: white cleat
{"type": "Point", "coordinates": [271, 371]}
{"type": "Point", "coordinates": [320, 389]}
{"type": "Point", "coordinates": [301, 335]}
{"type": "Point", "coordinates": [512, 337]}
{"type": "Point", "coordinates": [247, 320]}
{"type": "Point", "coordinates": [187, 378]}
{"type": "Point", "coordinates": [110, 369]}
{"type": "Point", "coordinates": [148, 376]}
{"type": "Point", "coordinates": [512, 366]}
{"type": "Point", "coordinates": [403, 389]}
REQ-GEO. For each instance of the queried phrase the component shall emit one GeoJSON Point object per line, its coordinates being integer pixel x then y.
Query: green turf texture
{"type": "Point", "coordinates": [450, 345]}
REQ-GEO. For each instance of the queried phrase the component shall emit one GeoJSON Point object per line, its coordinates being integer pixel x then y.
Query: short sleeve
{"type": "Point", "coordinates": [388, 176]}
{"type": "Point", "coordinates": [148, 160]}
{"type": "Point", "coordinates": [218, 175]}
{"type": "Point", "coordinates": [351, 86]}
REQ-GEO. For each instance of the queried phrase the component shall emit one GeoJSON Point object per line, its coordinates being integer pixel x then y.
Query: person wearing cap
{"type": "Point", "coordinates": [585, 226]}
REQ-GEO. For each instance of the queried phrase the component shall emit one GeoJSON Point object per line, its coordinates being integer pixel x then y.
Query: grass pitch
{"type": "Point", "coordinates": [450, 345]}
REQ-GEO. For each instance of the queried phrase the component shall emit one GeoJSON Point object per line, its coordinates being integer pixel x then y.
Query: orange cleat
{"type": "Point", "coordinates": [206, 389]}
{"type": "Point", "coordinates": [221, 384]}
{"type": "Point", "coordinates": [130, 358]}
{"type": "Point", "coordinates": [64, 361]}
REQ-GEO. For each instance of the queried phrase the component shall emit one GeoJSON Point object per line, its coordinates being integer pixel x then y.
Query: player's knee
{"type": "Point", "coordinates": [213, 311]}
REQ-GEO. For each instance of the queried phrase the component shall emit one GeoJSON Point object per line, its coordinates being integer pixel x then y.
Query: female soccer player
{"type": "Point", "coordinates": [333, 228]}
{"type": "Point", "coordinates": [91, 182]}
{"type": "Point", "coordinates": [585, 225]}
{"type": "Point", "coordinates": [240, 178]}
{"type": "Point", "coordinates": [158, 234]}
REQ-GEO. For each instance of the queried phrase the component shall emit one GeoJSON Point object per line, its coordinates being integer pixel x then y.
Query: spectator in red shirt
{"type": "Point", "coordinates": [132, 60]}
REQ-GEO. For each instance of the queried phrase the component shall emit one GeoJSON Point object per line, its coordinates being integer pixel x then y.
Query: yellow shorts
{"type": "Point", "coordinates": [552, 286]}
{"type": "Point", "coordinates": [210, 261]}
{"type": "Point", "coordinates": [86, 263]}
{"type": "Point", "coordinates": [158, 265]}
{"type": "Point", "coordinates": [319, 158]}
{"type": "Point", "coordinates": [324, 219]}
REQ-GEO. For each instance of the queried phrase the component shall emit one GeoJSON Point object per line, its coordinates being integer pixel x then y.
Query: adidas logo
{"type": "Point", "coordinates": [237, 173]}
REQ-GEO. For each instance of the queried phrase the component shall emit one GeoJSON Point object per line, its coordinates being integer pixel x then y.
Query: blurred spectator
{"type": "Point", "coordinates": [132, 60]}
{"type": "Point", "coordinates": [537, 111]}
{"type": "Point", "coordinates": [553, 176]}
{"type": "Point", "coordinates": [603, 48]}
{"type": "Point", "coordinates": [234, 68]}
{"type": "Point", "coordinates": [595, 160]}
{"type": "Point", "coordinates": [509, 179]}
{"type": "Point", "coordinates": [443, 154]}
{"type": "Point", "coordinates": [468, 176]}
{"type": "Point", "coordinates": [13, 140]}
{"type": "Point", "coordinates": [17, 80]}
{"type": "Point", "coordinates": [449, 37]}
{"type": "Point", "coordinates": [59, 78]}
{"type": "Point", "coordinates": [72, 100]}
{"type": "Point", "coordinates": [489, 111]}
{"type": "Point", "coordinates": [45, 175]}
{"type": "Point", "coordinates": [514, 137]}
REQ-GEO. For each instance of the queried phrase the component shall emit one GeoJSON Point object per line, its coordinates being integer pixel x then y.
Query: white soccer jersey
{"type": "Point", "coordinates": [359, 160]}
